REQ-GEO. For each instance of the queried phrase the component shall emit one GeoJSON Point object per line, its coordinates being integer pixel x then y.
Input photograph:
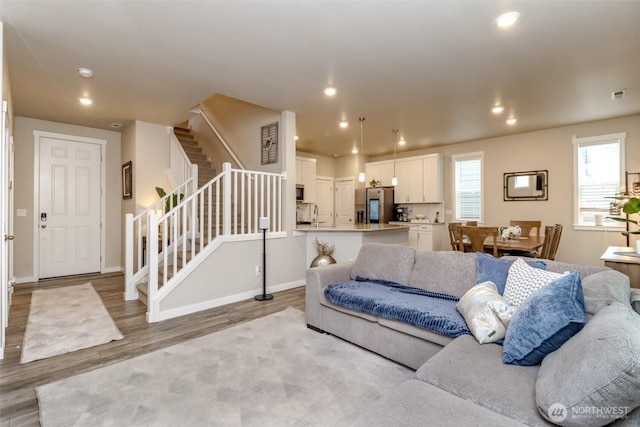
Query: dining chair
{"type": "Point", "coordinates": [527, 226]}
{"type": "Point", "coordinates": [471, 223]}
{"type": "Point", "coordinates": [453, 234]}
{"type": "Point", "coordinates": [555, 242]}
{"type": "Point", "coordinates": [549, 231]}
{"type": "Point", "coordinates": [477, 236]}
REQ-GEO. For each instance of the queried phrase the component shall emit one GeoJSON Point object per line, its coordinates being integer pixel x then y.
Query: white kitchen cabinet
{"type": "Point", "coordinates": [380, 171]}
{"type": "Point", "coordinates": [306, 175]}
{"type": "Point", "coordinates": [419, 179]}
{"type": "Point", "coordinates": [410, 182]}
{"type": "Point", "coordinates": [432, 179]}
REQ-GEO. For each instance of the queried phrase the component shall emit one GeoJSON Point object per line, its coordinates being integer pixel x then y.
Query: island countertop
{"type": "Point", "coordinates": [353, 227]}
{"type": "Point", "coordinates": [348, 239]}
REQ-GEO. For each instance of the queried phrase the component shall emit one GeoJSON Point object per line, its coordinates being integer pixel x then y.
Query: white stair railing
{"type": "Point", "coordinates": [136, 250]}
{"type": "Point", "coordinates": [136, 227]}
{"type": "Point", "coordinates": [228, 207]}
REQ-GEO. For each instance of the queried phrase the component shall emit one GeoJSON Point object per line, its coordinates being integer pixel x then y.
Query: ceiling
{"type": "Point", "coordinates": [432, 69]}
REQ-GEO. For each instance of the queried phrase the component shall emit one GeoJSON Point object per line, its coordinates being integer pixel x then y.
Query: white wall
{"type": "Point", "coordinates": [24, 182]}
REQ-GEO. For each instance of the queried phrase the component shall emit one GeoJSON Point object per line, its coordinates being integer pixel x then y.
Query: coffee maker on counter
{"type": "Point", "coordinates": [402, 213]}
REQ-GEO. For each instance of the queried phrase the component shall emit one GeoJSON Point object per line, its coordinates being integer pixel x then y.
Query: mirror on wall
{"type": "Point", "coordinates": [528, 185]}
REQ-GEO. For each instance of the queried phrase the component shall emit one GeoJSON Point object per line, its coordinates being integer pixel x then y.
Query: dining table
{"type": "Point", "coordinates": [524, 244]}
{"type": "Point", "coordinates": [516, 244]}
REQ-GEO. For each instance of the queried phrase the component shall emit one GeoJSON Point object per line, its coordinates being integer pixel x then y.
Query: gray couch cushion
{"type": "Point", "coordinates": [416, 403]}
{"type": "Point", "coordinates": [384, 262]}
{"type": "Point", "coordinates": [475, 372]}
{"type": "Point", "coordinates": [603, 288]}
{"type": "Point", "coordinates": [607, 375]}
{"type": "Point", "coordinates": [448, 272]}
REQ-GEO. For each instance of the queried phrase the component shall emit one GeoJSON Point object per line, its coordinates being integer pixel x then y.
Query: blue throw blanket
{"type": "Point", "coordinates": [418, 307]}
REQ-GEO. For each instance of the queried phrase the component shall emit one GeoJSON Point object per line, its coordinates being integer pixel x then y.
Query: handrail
{"type": "Point", "coordinates": [136, 249]}
{"type": "Point", "coordinates": [243, 195]}
{"type": "Point", "coordinates": [222, 141]}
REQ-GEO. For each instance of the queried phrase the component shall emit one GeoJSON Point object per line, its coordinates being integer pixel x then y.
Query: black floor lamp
{"type": "Point", "coordinates": [264, 225]}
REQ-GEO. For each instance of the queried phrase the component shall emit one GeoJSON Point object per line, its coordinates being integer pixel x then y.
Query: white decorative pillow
{"type": "Point", "coordinates": [523, 280]}
{"type": "Point", "coordinates": [486, 312]}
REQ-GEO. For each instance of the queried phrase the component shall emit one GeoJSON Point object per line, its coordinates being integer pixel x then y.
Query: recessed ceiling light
{"type": "Point", "coordinates": [354, 150]}
{"type": "Point", "coordinates": [402, 141]}
{"type": "Point", "coordinates": [507, 19]}
{"type": "Point", "coordinates": [511, 121]}
{"type": "Point", "coordinates": [86, 101]}
{"type": "Point", "coordinates": [344, 124]}
{"type": "Point", "coordinates": [296, 137]}
{"type": "Point", "coordinates": [85, 72]}
{"type": "Point", "coordinates": [330, 91]}
{"type": "Point", "coordinates": [497, 109]}
{"type": "Point", "coordinates": [116, 125]}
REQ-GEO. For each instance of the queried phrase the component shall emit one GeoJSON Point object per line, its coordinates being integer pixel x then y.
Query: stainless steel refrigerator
{"type": "Point", "coordinates": [374, 205]}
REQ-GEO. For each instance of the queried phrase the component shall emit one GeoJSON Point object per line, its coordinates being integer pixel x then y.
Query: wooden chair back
{"type": "Point", "coordinates": [477, 236]}
{"type": "Point", "coordinates": [453, 234]}
{"type": "Point", "coordinates": [555, 242]}
{"type": "Point", "coordinates": [527, 226]}
{"type": "Point", "coordinates": [549, 231]}
{"type": "Point", "coordinates": [471, 223]}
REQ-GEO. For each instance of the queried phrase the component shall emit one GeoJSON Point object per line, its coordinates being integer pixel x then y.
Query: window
{"type": "Point", "coordinates": [467, 187]}
{"type": "Point", "coordinates": [598, 174]}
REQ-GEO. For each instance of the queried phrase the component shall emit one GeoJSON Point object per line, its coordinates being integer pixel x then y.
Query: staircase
{"type": "Point", "coordinates": [194, 152]}
{"type": "Point", "coordinates": [205, 174]}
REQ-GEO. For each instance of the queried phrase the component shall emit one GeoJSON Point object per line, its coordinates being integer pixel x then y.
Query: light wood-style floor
{"type": "Point", "coordinates": [18, 403]}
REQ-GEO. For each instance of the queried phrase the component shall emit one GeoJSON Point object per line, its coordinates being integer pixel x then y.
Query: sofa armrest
{"type": "Point", "coordinates": [318, 278]}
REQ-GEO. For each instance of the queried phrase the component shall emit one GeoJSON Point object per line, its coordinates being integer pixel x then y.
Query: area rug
{"type": "Point", "coordinates": [273, 371]}
{"type": "Point", "coordinates": [66, 319]}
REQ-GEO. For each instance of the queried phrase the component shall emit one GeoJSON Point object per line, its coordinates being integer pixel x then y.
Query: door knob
{"type": "Point", "coordinates": [9, 237]}
{"type": "Point", "coordinates": [43, 226]}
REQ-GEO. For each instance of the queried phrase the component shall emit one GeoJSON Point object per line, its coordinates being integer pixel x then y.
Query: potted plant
{"type": "Point", "coordinates": [630, 207]}
{"type": "Point", "coordinates": [325, 251]}
{"type": "Point", "coordinates": [174, 200]}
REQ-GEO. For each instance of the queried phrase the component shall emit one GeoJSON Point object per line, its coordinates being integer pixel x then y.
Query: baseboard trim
{"type": "Point", "coordinates": [205, 305]}
{"type": "Point", "coordinates": [117, 269]}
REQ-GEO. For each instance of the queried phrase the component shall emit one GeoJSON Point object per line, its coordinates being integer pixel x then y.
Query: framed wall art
{"type": "Point", "coordinates": [127, 181]}
{"type": "Point", "coordinates": [269, 143]}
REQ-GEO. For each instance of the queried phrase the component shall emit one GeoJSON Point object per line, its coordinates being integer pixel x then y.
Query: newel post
{"type": "Point", "coordinates": [226, 199]}
{"type": "Point", "coordinates": [129, 289]}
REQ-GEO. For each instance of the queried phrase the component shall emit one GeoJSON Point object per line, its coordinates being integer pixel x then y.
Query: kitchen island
{"type": "Point", "coordinates": [348, 239]}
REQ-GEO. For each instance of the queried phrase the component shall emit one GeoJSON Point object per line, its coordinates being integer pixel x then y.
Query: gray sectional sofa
{"type": "Point", "coordinates": [594, 377]}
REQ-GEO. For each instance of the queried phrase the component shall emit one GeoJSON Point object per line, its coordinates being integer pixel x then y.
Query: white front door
{"type": "Point", "coordinates": [345, 205]}
{"type": "Point", "coordinates": [324, 197]}
{"type": "Point", "coordinates": [69, 210]}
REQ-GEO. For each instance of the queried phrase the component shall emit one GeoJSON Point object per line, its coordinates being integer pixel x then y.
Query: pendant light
{"type": "Point", "coordinates": [394, 180]}
{"type": "Point", "coordinates": [361, 175]}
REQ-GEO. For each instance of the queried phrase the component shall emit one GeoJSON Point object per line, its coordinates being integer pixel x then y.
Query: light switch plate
{"type": "Point", "coordinates": [21, 212]}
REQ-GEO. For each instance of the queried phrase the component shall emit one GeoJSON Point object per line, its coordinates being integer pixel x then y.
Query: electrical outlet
{"type": "Point", "coordinates": [258, 270]}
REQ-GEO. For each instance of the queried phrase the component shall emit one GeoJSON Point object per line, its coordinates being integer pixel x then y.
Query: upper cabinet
{"type": "Point", "coordinates": [306, 175]}
{"type": "Point", "coordinates": [419, 178]}
{"type": "Point", "coordinates": [382, 172]}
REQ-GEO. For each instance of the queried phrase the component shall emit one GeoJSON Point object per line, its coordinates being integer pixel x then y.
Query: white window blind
{"type": "Point", "coordinates": [468, 187]}
{"type": "Point", "coordinates": [598, 172]}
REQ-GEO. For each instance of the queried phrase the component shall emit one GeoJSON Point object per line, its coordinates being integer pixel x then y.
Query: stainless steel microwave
{"type": "Point", "coordinates": [299, 192]}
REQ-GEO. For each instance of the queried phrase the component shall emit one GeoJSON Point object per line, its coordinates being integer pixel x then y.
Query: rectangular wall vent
{"type": "Point", "coordinates": [618, 94]}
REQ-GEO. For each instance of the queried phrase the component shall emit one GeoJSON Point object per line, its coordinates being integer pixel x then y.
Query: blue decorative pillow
{"type": "Point", "coordinates": [545, 321]}
{"type": "Point", "coordinates": [496, 270]}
